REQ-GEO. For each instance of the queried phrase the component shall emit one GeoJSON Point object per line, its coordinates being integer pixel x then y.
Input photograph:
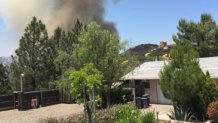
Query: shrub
{"type": "Point", "coordinates": [181, 115]}
{"type": "Point", "coordinates": [148, 117]}
{"type": "Point", "coordinates": [107, 115]}
{"type": "Point", "coordinates": [128, 114]}
{"type": "Point", "coordinates": [184, 83]}
{"type": "Point", "coordinates": [77, 118]}
{"type": "Point", "coordinates": [121, 96]}
{"type": "Point", "coordinates": [212, 110]}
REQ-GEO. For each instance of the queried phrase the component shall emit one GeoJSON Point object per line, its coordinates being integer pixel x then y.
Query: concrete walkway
{"type": "Point", "coordinates": [162, 110]}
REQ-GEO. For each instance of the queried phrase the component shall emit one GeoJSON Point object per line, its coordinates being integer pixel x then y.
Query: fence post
{"type": "Point", "coordinates": [20, 100]}
{"type": "Point", "coordinates": [14, 100]}
{"type": "Point", "coordinates": [42, 98]}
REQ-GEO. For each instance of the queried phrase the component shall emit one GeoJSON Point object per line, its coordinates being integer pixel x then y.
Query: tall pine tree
{"type": "Point", "coordinates": [203, 35]}
{"type": "Point", "coordinates": [33, 55]}
{"type": "Point", "coordinates": [4, 79]}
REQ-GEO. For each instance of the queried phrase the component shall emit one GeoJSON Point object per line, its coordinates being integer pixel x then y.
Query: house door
{"type": "Point", "coordinates": [161, 99]}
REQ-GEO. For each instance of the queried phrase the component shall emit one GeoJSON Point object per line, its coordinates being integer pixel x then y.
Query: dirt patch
{"type": "Point", "coordinates": [33, 115]}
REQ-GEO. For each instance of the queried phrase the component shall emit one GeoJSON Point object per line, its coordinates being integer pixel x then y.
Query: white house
{"type": "Point", "coordinates": [145, 78]}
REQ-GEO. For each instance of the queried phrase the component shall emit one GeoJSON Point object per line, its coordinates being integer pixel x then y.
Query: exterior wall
{"type": "Point", "coordinates": [133, 90]}
{"type": "Point", "coordinates": [153, 91]}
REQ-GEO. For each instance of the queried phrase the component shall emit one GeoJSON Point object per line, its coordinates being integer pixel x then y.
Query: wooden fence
{"type": "Point", "coordinates": [28, 100]}
{"type": "Point", "coordinates": [7, 101]}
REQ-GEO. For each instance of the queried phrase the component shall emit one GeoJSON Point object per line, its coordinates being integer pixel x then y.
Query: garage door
{"type": "Point", "coordinates": [160, 97]}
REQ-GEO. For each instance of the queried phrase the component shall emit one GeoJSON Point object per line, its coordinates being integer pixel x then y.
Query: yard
{"type": "Point", "coordinates": [33, 115]}
{"type": "Point", "coordinates": [64, 110]}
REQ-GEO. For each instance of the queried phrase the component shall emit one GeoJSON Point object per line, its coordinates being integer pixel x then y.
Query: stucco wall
{"type": "Point", "coordinates": [153, 91]}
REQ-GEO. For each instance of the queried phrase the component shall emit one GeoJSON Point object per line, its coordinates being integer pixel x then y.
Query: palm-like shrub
{"type": "Point", "coordinates": [181, 115]}
{"type": "Point", "coordinates": [148, 117]}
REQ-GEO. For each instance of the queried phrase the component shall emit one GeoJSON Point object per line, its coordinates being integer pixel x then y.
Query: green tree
{"type": "Point", "coordinates": [4, 79]}
{"type": "Point", "coordinates": [104, 50]}
{"type": "Point", "coordinates": [63, 46]}
{"type": "Point", "coordinates": [34, 56]}
{"type": "Point", "coordinates": [183, 81]}
{"type": "Point", "coordinates": [203, 35]}
{"type": "Point", "coordinates": [15, 71]}
{"type": "Point", "coordinates": [84, 82]}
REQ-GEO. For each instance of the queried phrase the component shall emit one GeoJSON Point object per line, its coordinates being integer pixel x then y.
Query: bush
{"type": "Point", "coordinates": [128, 114]}
{"type": "Point", "coordinates": [184, 83]}
{"type": "Point", "coordinates": [107, 115]}
{"type": "Point", "coordinates": [212, 111]}
{"type": "Point", "coordinates": [148, 117]}
{"type": "Point", "coordinates": [77, 118]}
{"type": "Point", "coordinates": [121, 96]}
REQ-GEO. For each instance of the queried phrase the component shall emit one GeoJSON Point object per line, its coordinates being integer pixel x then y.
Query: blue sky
{"type": "Point", "coordinates": [149, 21]}
{"type": "Point", "coordinates": [144, 21]}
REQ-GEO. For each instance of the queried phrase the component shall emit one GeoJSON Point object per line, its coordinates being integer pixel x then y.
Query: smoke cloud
{"type": "Point", "coordinates": [54, 13]}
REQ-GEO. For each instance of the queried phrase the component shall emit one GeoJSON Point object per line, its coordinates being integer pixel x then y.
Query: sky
{"type": "Point", "coordinates": [141, 22]}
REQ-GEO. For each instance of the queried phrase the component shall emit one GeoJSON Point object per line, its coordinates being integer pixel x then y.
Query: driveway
{"type": "Point", "coordinates": [162, 110]}
{"type": "Point", "coordinates": [33, 115]}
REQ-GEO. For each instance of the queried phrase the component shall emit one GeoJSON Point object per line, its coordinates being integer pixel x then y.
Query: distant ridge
{"type": "Point", "coordinates": [151, 52]}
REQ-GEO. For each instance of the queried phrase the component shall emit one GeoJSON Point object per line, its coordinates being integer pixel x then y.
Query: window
{"type": "Point", "coordinates": [147, 84]}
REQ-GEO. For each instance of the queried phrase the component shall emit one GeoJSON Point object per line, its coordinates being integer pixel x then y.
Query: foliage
{"type": "Point", "coordinates": [128, 114]}
{"type": "Point", "coordinates": [4, 79]}
{"type": "Point", "coordinates": [15, 71]}
{"type": "Point", "coordinates": [182, 75]}
{"type": "Point", "coordinates": [107, 115]}
{"type": "Point", "coordinates": [76, 118]}
{"type": "Point", "coordinates": [142, 49]}
{"type": "Point", "coordinates": [64, 84]}
{"type": "Point", "coordinates": [43, 60]}
{"type": "Point", "coordinates": [203, 35]}
{"type": "Point", "coordinates": [212, 110]}
{"type": "Point", "coordinates": [181, 115]}
{"type": "Point", "coordinates": [88, 77]}
{"type": "Point", "coordinates": [121, 95]}
{"type": "Point", "coordinates": [63, 44]}
{"type": "Point", "coordinates": [85, 81]}
{"type": "Point", "coordinates": [148, 117]}
{"type": "Point", "coordinates": [103, 49]}
{"type": "Point", "coordinates": [34, 57]}
{"type": "Point", "coordinates": [103, 116]}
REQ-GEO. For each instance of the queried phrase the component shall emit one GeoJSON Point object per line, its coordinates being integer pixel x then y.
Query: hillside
{"type": "Point", "coordinates": [151, 52]}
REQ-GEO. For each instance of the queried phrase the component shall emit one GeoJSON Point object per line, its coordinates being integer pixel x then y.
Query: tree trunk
{"type": "Point", "coordinates": [89, 112]}
{"type": "Point", "coordinates": [108, 96]}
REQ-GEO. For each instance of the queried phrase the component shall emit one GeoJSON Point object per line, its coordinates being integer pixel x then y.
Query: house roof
{"type": "Point", "coordinates": [150, 70]}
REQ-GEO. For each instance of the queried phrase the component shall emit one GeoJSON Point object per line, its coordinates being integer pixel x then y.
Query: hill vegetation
{"type": "Point", "coordinates": [151, 52]}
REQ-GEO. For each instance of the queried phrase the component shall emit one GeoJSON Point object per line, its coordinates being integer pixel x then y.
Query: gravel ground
{"type": "Point", "coordinates": [162, 110]}
{"type": "Point", "coordinates": [33, 115]}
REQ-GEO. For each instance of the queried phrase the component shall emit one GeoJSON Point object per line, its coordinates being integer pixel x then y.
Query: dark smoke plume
{"type": "Point", "coordinates": [54, 13]}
